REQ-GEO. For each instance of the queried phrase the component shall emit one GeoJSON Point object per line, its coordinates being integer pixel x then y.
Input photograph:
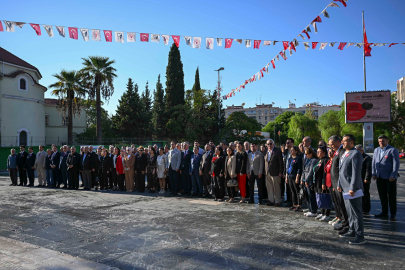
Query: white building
{"type": "Point", "coordinates": [26, 116]}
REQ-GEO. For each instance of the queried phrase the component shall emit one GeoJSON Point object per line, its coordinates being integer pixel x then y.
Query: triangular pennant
{"type": "Point", "coordinates": [61, 30]}
{"type": "Point", "coordinates": [274, 42]}
{"type": "Point", "coordinates": [19, 24]}
{"type": "Point", "coordinates": [306, 33]}
{"type": "Point", "coordinates": [342, 45]}
{"type": "Point", "coordinates": [219, 41]}
{"type": "Point", "coordinates": [333, 5]}
{"type": "Point", "coordinates": [266, 42]}
{"type": "Point", "coordinates": [9, 26]}
{"type": "Point", "coordinates": [317, 19]}
{"type": "Point", "coordinates": [131, 37]}
{"type": "Point", "coordinates": [176, 40]}
{"type": "Point", "coordinates": [323, 45]}
{"type": "Point", "coordinates": [36, 27]}
{"type": "Point", "coordinates": [302, 36]}
{"type": "Point", "coordinates": [392, 44]}
{"type": "Point", "coordinates": [282, 53]}
{"type": "Point", "coordinates": [1, 27]}
{"type": "Point", "coordinates": [306, 44]}
{"type": "Point", "coordinates": [165, 39]}
{"type": "Point", "coordinates": [332, 44]}
{"type": "Point", "coordinates": [350, 44]}
{"type": "Point", "coordinates": [48, 29]}
{"type": "Point", "coordinates": [325, 14]}
{"type": "Point", "coordinates": [296, 43]}
{"type": "Point", "coordinates": [239, 40]}
{"type": "Point", "coordinates": [341, 1]}
{"type": "Point", "coordinates": [187, 39]}
{"type": "Point", "coordinates": [85, 34]}
{"type": "Point", "coordinates": [315, 28]}
{"type": "Point", "coordinates": [359, 45]}
{"type": "Point", "coordinates": [277, 58]}
{"type": "Point", "coordinates": [292, 46]}
{"type": "Point", "coordinates": [285, 45]}
{"type": "Point", "coordinates": [119, 36]}
{"type": "Point", "coordinates": [308, 29]}
{"type": "Point", "coordinates": [155, 38]}
{"type": "Point", "coordinates": [314, 44]}
{"type": "Point", "coordinates": [96, 36]}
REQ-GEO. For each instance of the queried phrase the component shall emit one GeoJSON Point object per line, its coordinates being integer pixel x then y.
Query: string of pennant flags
{"type": "Point", "coordinates": [291, 45]}
{"type": "Point", "coordinates": [195, 42]}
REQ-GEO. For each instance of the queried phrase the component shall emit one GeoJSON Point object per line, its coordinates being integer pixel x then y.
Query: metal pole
{"type": "Point", "coordinates": [364, 58]}
{"type": "Point", "coordinates": [219, 101]}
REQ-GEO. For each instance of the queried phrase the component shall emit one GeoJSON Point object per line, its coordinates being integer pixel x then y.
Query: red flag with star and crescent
{"type": "Point", "coordinates": [37, 28]}
{"type": "Point", "coordinates": [228, 43]}
{"type": "Point", "coordinates": [144, 37]}
{"type": "Point", "coordinates": [108, 35]}
{"type": "Point", "coordinates": [176, 40]}
{"type": "Point", "coordinates": [73, 32]}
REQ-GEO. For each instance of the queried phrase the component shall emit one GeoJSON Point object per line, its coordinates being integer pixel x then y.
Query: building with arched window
{"type": "Point", "coordinates": [26, 117]}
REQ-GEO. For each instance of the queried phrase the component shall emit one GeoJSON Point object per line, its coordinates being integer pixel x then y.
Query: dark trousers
{"type": "Point", "coordinates": [263, 180]}
{"type": "Point", "coordinates": [104, 180]}
{"type": "Point", "coordinates": [388, 195]}
{"type": "Point", "coordinates": [93, 179]}
{"type": "Point", "coordinates": [219, 187]}
{"type": "Point", "coordinates": [232, 193]}
{"type": "Point", "coordinates": [295, 191]}
{"type": "Point", "coordinates": [206, 177]}
{"type": "Point", "coordinates": [23, 176]}
{"type": "Point", "coordinates": [247, 189]}
{"type": "Point", "coordinates": [13, 176]}
{"type": "Point", "coordinates": [113, 179]}
{"type": "Point", "coordinates": [366, 198]}
{"type": "Point", "coordinates": [340, 203]}
{"type": "Point", "coordinates": [73, 178]}
{"type": "Point", "coordinates": [353, 208]}
{"type": "Point", "coordinates": [31, 176]}
{"type": "Point", "coordinates": [174, 181]}
{"type": "Point", "coordinates": [140, 180]}
{"type": "Point", "coordinates": [311, 199]}
{"type": "Point", "coordinates": [260, 186]}
{"type": "Point", "coordinates": [121, 181]}
{"type": "Point", "coordinates": [56, 177]}
{"type": "Point", "coordinates": [65, 175]}
{"type": "Point", "coordinates": [186, 182]}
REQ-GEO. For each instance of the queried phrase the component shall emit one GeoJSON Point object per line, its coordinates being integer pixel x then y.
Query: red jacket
{"type": "Point", "coordinates": [119, 167]}
{"type": "Point", "coordinates": [328, 178]}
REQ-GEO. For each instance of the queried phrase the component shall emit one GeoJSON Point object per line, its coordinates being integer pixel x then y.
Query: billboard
{"type": "Point", "coordinates": [368, 107]}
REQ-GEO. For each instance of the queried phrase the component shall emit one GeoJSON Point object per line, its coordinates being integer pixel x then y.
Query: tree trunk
{"type": "Point", "coordinates": [98, 104]}
{"type": "Point", "coordinates": [70, 118]}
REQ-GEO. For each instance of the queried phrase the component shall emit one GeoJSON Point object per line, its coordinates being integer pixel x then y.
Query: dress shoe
{"type": "Point", "coordinates": [19, 185]}
{"type": "Point", "coordinates": [347, 234]}
{"type": "Point", "coordinates": [393, 218]}
{"type": "Point", "coordinates": [39, 186]}
{"type": "Point", "coordinates": [251, 202]}
{"type": "Point", "coordinates": [31, 185]}
{"type": "Point", "coordinates": [277, 204]}
{"type": "Point", "coordinates": [357, 241]}
{"type": "Point", "coordinates": [338, 228]}
{"type": "Point", "coordinates": [381, 215]}
{"type": "Point", "coordinates": [366, 213]}
{"type": "Point", "coordinates": [343, 231]}
{"type": "Point", "coordinates": [11, 185]}
{"type": "Point", "coordinates": [298, 209]}
{"type": "Point", "coordinates": [269, 203]}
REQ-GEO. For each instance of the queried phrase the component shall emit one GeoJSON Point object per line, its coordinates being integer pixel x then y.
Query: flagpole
{"type": "Point", "coordinates": [364, 57]}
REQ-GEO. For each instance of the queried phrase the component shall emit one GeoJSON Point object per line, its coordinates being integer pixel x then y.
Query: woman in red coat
{"type": "Point", "coordinates": [120, 170]}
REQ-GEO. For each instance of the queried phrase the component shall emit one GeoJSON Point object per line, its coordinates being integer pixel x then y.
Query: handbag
{"type": "Point", "coordinates": [232, 183]}
{"type": "Point", "coordinates": [324, 200]}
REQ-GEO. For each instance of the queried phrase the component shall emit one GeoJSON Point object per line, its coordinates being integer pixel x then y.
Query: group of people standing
{"type": "Point", "coordinates": [338, 168]}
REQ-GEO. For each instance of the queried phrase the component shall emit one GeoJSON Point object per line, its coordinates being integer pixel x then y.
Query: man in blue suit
{"type": "Point", "coordinates": [385, 168]}
{"type": "Point", "coordinates": [350, 181]}
{"type": "Point", "coordinates": [195, 173]}
{"type": "Point", "coordinates": [55, 161]}
{"type": "Point", "coordinates": [185, 169]}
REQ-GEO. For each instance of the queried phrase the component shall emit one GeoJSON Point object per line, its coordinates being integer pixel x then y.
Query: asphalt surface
{"type": "Point", "coordinates": [60, 229]}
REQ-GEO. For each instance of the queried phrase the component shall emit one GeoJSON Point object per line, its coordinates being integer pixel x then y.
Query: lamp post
{"type": "Point", "coordinates": [219, 98]}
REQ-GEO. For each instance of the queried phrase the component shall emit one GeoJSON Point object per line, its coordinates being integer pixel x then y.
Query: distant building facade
{"type": "Point", "coordinates": [266, 113]}
{"type": "Point", "coordinates": [26, 116]}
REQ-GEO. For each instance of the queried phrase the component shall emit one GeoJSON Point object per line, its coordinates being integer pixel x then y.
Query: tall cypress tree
{"type": "Point", "coordinates": [158, 111]}
{"type": "Point", "coordinates": [126, 115]}
{"type": "Point", "coordinates": [145, 114]}
{"type": "Point", "coordinates": [174, 79]}
{"type": "Point", "coordinates": [196, 86]}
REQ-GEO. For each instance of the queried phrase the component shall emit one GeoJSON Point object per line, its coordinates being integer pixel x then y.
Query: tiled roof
{"type": "Point", "coordinates": [18, 72]}
{"type": "Point", "coordinates": [51, 101]}
{"type": "Point", "coordinates": [8, 57]}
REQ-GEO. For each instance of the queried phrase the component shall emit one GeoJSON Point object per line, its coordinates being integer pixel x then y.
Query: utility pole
{"type": "Point", "coordinates": [219, 98]}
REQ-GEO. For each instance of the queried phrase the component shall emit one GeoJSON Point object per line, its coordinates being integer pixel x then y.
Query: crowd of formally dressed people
{"type": "Point", "coordinates": [289, 175]}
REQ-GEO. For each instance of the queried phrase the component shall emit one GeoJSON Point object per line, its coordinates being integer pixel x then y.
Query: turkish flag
{"type": "Point", "coordinates": [292, 46]}
{"type": "Point", "coordinates": [342, 45]}
{"type": "Point", "coordinates": [285, 44]}
{"type": "Point", "coordinates": [1, 27]}
{"type": "Point", "coordinates": [283, 55]}
{"type": "Point", "coordinates": [392, 44]}
{"type": "Point", "coordinates": [306, 33]}
{"type": "Point", "coordinates": [341, 1]}
{"type": "Point", "coordinates": [228, 43]}
{"type": "Point", "coordinates": [37, 28]}
{"type": "Point", "coordinates": [176, 40]}
{"type": "Point", "coordinates": [256, 44]}
{"type": "Point", "coordinates": [317, 19]}
{"type": "Point", "coordinates": [73, 32]}
{"type": "Point", "coordinates": [108, 35]}
{"type": "Point", "coordinates": [367, 46]}
{"type": "Point", "coordinates": [314, 45]}
{"type": "Point", "coordinates": [144, 37]}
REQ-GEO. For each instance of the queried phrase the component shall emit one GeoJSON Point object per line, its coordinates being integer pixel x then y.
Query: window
{"type": "Point", "coordinates": [265, 112]}
{"type": "Point", "coordinates": [64, 121]}
{"type": "Point", "coordinates": [260, 118]}
{"type": "Point", "coordinates": [23, 84]}
{"type": "Point", "coordinates": [23, 138]}
{"type": "Point", "coordinates": [46, 120]}
{"type": "Point", "coordinates": [260, 111]}
{"type": "Point", "coordinates": [265, 118]}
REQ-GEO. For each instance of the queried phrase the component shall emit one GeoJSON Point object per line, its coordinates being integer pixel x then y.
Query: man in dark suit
{"type": "Point", "coordinates": [96, 167]}
{"type": "Point", "coordinates": [385, 170]}
{"type": "Point", "coordinates": [94, 170]}
{"type": "Point", "coordinates": [63, 166]}
{"type": "Point", "coordinates": [342, 224]}
{"type": "Point", "coordinates": [73, 164]}
{"type": "Point", "coordinates": [366, 177]}
{"type": "Point", "coordinates": [194, 172]}
{"type": "Point", "coordinates": [205, 167]}
{"type": "Point", "coordinates": [55, 162]}
{"type": "Point", "coordinates": [274, 170]}
{"type": "Point", "coordinates": [30, 166]}
{"type": "Point", "coordinates": [254, 171]}
{"type": "Point", "coordinates": [21, 159]}
{"type": "Point", "coordinates": [350, 182]}
{"type": "Point", "coordinates": [185, 169]}
{"type": "Point", "coordinates": [284, 186]}
{"type": "Point", "coordinates": [86, 161]}
{"type": "Point", "coordinates": [112, 177]}
{"type": "Point", "coordinates": [247, 150]}
{"type": "Point", "coordinates": [48, 169]}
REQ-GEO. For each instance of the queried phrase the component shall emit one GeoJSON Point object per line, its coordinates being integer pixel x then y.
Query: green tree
{"type": "Point", "coordinates": [98, 75]}
{"type": "Point", "coordinates": [281, 122]}
{"type": "Point", "coordinates": [144, 127]}
{"type": "Point", "coordinates": [158, 111]}
{"type": "Point", "coordinates": [69, 90]}
{"type": "Point", "coordinates": [217, 113]}
{"type": "Point", "coordinates": [127, 113]}
{"type": "Point", "coordinates": [240, 127]}
{"type": "Point", "coordinates": [196, 86]}
{"type": "Point", "coordinates": [301, 126]}
{"type": "Point", "coordinates": [174, 79]}
{"type": "Point", "coordinates": [329, 124]}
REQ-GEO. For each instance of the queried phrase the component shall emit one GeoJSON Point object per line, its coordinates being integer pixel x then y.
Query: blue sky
{"type": "Point", "coordinates": [306, 76]}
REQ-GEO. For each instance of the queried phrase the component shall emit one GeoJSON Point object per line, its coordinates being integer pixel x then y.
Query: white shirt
{"type": "Point", "coordinates": [114, 159]}
{"type": "Point", "coordinates": [269, 155]}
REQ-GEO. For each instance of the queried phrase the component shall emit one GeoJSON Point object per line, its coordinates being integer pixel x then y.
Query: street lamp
{"type": "Point", "coordinates": [219, 99]}
{"type": "Point", "coordinates": [275, 133]}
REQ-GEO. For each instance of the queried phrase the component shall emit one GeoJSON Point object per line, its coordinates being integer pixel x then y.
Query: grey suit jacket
{"type": "Point", "coordinates": [174, 159]}
{"type": "Point", "coordinates": [350, 171]}
{"type": "Point", "coordinates": [40, 160]}
{"type": "Point", "coordinates": [257, 165]}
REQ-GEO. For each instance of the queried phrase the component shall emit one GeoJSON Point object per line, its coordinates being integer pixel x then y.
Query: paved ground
{"type": "Point", "coordinates": [61, 229]}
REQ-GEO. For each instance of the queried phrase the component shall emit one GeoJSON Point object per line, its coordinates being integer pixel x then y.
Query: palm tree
{"type": "Point", "coordinates": [98, 75]}
{"type": "Point", "coordinates": [69, 90]}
